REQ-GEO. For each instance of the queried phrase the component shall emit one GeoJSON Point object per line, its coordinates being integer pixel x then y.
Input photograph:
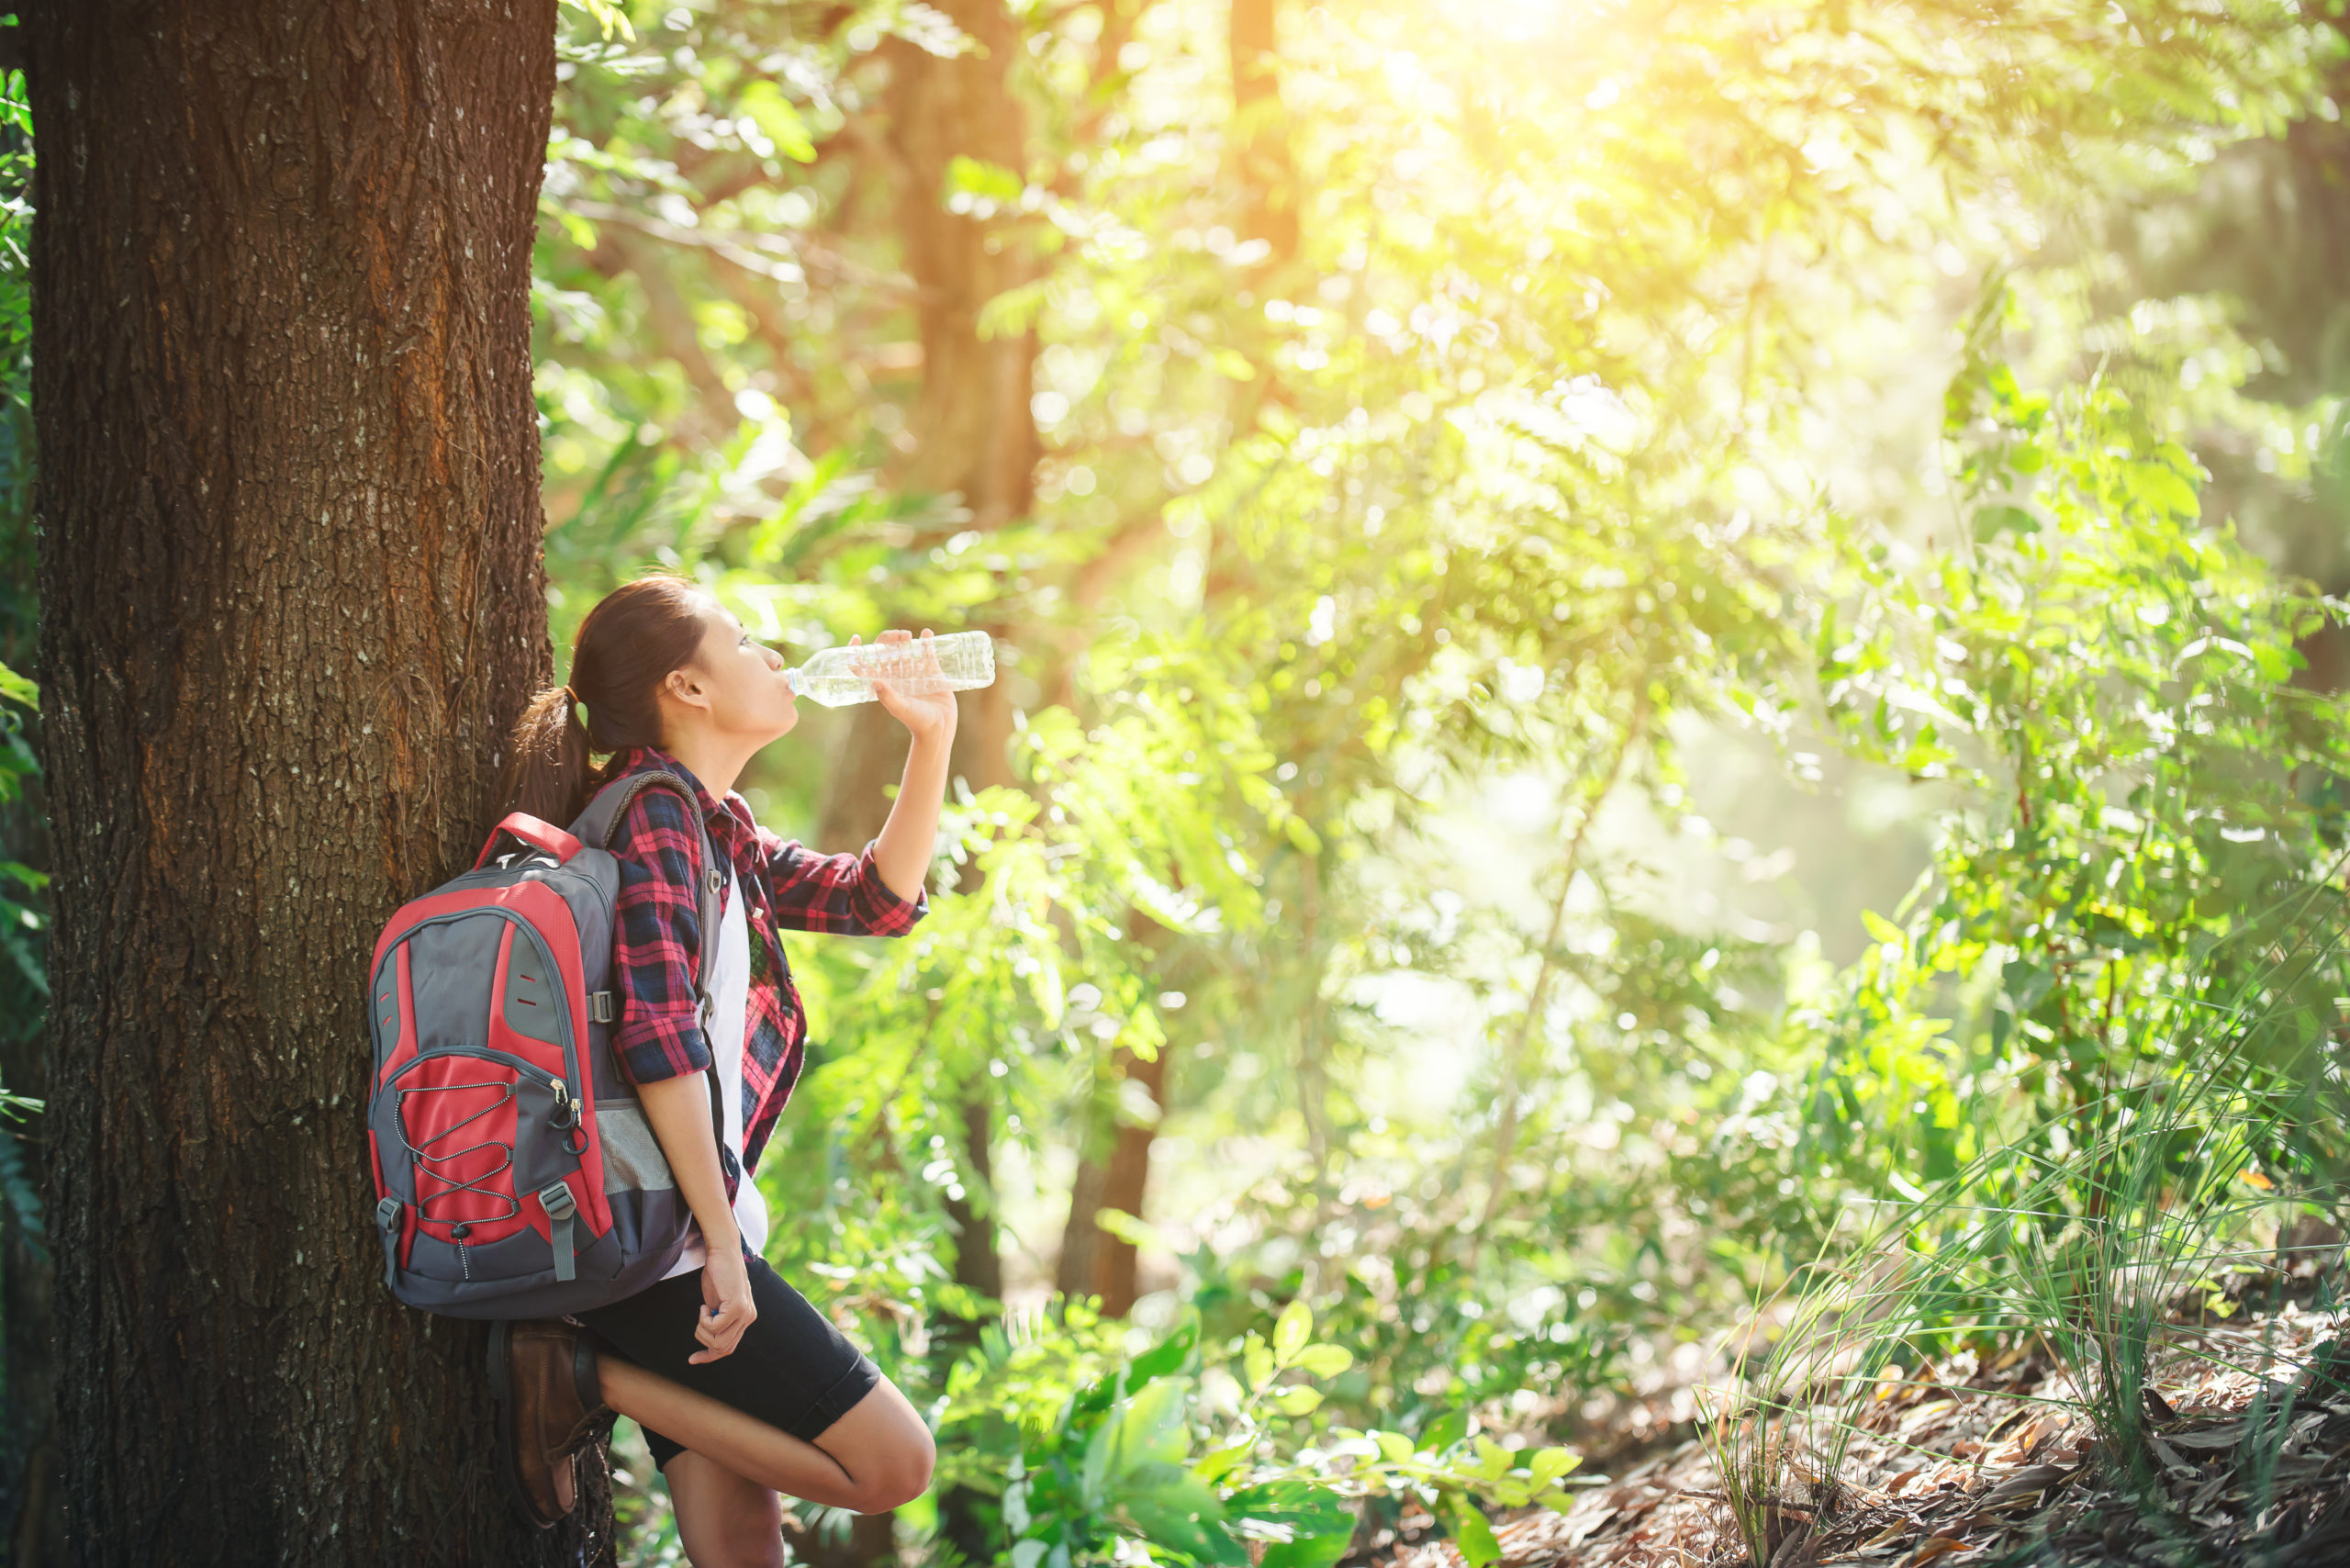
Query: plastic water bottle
{"type": "Point", "coordinates": [838, 676]}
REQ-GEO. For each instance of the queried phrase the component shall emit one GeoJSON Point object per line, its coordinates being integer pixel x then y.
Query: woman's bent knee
{"type": "Point", "coordinates": [898, 1477]}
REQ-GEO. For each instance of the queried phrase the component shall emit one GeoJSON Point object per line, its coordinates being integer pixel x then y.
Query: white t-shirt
{"type": "Point", "coordinates": [730, 989]}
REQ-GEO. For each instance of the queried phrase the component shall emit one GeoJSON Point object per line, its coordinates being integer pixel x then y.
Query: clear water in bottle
{"type": "Point", "coordinates": [838, 676]}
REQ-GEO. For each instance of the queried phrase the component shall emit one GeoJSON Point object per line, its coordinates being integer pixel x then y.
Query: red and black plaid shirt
{"type": "Point", "coordinates": [658, 942]}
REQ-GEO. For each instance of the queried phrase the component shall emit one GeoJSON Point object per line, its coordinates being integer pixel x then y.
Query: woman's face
{"type": "Point", "coordinates": [749, 695]}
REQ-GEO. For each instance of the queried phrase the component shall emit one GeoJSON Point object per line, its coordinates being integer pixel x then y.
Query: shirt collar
{"type": "Point", "coordinates": [728, 820]}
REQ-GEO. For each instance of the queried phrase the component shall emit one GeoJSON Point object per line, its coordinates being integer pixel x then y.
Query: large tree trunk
{"type": "Point", "coordinates": [292, 599]}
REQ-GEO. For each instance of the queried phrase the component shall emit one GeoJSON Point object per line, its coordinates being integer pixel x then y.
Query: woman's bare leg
{"type": "Point", "coordinates": [870, 1460]}
{"type": "Point", "coordinates": [724, 1521]}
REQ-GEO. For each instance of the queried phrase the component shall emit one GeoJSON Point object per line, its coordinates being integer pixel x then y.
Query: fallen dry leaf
{"type": "Point", "coordinates": [1936, 1546]}
{"type": "Point", "coordinates": [2021, 1442]}
{"type": "Point", "coordinates": [1926, 1415]}
{"type": "Point", "coordinates": [2221, 1436]}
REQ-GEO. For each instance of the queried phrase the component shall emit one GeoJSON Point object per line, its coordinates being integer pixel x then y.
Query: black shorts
{"type": "Point", "coordinates": [791, 1369]}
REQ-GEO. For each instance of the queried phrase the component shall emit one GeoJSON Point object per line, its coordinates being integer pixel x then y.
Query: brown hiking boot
{"type": "Point", "coordinates": [543, 1374]}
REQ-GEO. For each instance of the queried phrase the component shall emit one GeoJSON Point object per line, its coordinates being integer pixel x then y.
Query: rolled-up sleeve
{"type": "Point", "coordinates": [658, 941]}
{"type": "Point", "coordinates": [842, 895]}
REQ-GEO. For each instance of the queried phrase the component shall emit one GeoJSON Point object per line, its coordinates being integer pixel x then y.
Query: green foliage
{"type": "Point", "coordinates": [1512, 471]}
{"type": "Point", "coordinates": [24, 979]}
{"type": "Point", "coordinates": [2110, 684]}
{"type": "Point", "coordinates": [2104, 1250]}
{"type": "Point", "coordinates": [1142, 1455]}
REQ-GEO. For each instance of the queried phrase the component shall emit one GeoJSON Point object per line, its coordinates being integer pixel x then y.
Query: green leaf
{"type": "Point", "coordinates": [1444, 1430]}
{"type": "Point", "coordinates": [977, 177]}
{"type": "Point", "coordinates": [1012, 312]}
{"type": "Point", "coordinates": [1145, 1428]}
{"type": "Point", "coordinates": [1321, 1523]}
{"type": "Point", "coordinates": [1325, 1361]}
{"type": "Point", "coordinates": [1471, 1533]}
{"type": "Point", "coordinates": [1256, 1363]}
{"type": "Point", "coordinates": [1150, 1425]}
{"type": "Point", "coordinates": [17, 688]}
{"type": "Point", "coordinates": [1991, 521]}
{"type": "Point", "coordinates": [1298, 1400]}
{"type": "Point", "coordinates": [1127, 1228]}
{"type": "Point", "coordinates": [1168, 1355]}
{"type": "Point", "coordinates": [780, 119]}
{"type": "Point", "coordinates": [1217, 1463]}
{"type": "Point", "coordinates": [608, 15]}
{"type": "Point", "coordinates": [1881, 929]}
{"type": "Point", "coordinates": [1292, 1331]}
{"type": "Point", "coordinates": [1550, 1465]}
{"type": "Point", "coordinates": [2026, 983]}
{"type": "Point", "coordinates": [2276, 663]}
{"type": "Point", "coordinates": [1307, 1551]}
{"type": "Point", "coordinates": [1187, 1514]}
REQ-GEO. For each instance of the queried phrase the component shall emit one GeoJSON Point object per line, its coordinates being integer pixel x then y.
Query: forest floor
{"type": "Point", "coordinates": [1969, 1464]}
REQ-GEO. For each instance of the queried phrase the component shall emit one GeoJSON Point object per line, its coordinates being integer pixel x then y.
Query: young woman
{"type": "Point", "coordinates": [744, 1391]}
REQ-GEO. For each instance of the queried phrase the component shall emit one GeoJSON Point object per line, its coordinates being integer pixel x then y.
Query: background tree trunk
{"type": "Point", "coordinates": [292, 600]}
{"type": "Point", "coordinates": [972, 436]}
{"type": "Point", "coordinates": [1113, 1156]}
{"type": "Point", "coordinates": [1263, 166]}
{"type": "Point", "coordinates": [1113, 1173]}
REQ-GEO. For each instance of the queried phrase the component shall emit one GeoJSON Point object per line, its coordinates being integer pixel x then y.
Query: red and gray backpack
{"type": "Point", "coordinates": [516, 1175]}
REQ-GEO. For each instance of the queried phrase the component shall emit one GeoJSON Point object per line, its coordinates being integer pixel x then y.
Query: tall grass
{"type": "Point", "coordinates": [2083, 1234]}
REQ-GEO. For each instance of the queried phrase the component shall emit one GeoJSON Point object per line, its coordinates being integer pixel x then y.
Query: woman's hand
{"type": "Point", "coordinates": [929, 717]}
{"type": "Point", "coordinates": [679, 1109]}
{"type": "Point", "coordinates": [727, 1309]}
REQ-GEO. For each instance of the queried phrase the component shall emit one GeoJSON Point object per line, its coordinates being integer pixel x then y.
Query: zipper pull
{"type": "Point", "coordinates": [565, 1113]}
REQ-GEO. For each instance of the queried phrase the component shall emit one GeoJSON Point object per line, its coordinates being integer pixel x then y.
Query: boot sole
{"type": "Point", "coordinates": [500, 1347]}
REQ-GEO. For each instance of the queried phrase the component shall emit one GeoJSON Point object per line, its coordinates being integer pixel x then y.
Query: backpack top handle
{"type": "Point", "coordinates": [533, 832]}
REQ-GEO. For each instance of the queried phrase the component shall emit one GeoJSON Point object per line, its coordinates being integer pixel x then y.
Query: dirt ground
{"type": "Point", "coordinates": [2245, 1459]}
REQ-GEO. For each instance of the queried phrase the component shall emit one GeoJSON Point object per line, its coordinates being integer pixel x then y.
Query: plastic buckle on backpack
{"type": "Point", "coordinates": [387, 1220]}
{"type": "Point", "coordinates": [561, 1208]}
{"type": "Point", "coordinates": [599, 1006]}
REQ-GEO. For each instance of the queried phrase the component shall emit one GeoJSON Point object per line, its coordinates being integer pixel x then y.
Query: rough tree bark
{"type": "Point", "coordinates": [292, 599]}
{"type": "Point", "coordinates": [31, 1522]}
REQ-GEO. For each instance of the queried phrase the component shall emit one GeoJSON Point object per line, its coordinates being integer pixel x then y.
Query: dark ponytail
{"type": "Point", "coordinates": [626, 647]}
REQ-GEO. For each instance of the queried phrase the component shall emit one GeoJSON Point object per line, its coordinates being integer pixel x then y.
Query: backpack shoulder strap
{"type": "Point", "coordinates": [595, 826]}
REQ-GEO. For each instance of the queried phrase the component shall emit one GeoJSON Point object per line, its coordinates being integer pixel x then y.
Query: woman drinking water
{"type": "Point", "coordinates": [744, 1390]}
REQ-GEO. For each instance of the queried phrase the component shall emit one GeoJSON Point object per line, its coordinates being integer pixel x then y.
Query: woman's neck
{"type": "Point", "coordinates": [710, 759]}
